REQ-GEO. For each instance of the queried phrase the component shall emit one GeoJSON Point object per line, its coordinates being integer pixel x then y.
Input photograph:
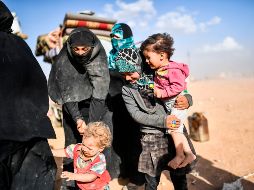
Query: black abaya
{"type": "Point", "coordinates": [26, 161]}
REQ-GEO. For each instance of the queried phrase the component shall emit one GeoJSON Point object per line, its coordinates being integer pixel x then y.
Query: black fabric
{"type": "Point", "coordinates": [72, 136]}
{"type": "Point", "coordinates": [72, 82]}
{"type": "Point", "coordinates": [27, 165]}
{"type": "Point", "coordinates": [26, 161]}
{"type": "Point", "coordinates": [6, 18]}
{"type": "Point", "coordinates": [82, 59]}
{"type": "Point", "coordinates": [71, 133]}
{"type": "Point", "coordinates": [127, 32]}
{"type": "Point", "coordinates": [82, 38]}
{"type": "Point", "coordinates": [126, 140]}
{"type": "Point", "coordinates": [24, 94]}
{"type": "Point", "coordinates": [97, 109]}
{"type": "Point", "coordinates": [116, 83]}
{"type": "Point", "coordinates": [80, 86]}
{"type": "Point", "coordinates": [179, 181]}
{"type": "Point", "coordinates": [74, 111]}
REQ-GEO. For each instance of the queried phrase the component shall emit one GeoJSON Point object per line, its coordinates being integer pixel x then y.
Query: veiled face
{"type": "Point", "coordinates": [81, 50]}
{"type": "Point", "coordinates": [81, 53]}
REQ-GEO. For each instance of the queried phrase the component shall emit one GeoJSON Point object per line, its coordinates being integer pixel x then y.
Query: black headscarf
{"type": "Point", "coordinates": [75, 78]}
{"type": "Point", "coordinates": [84, 38]}
{"type": "Point", "coordinates": [23, 88]}
{"type": "Point", "coordinates": [6, 18]}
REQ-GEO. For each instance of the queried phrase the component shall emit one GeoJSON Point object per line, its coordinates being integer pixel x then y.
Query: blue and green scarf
{"type": "Point", "coordinates": [124, 40]}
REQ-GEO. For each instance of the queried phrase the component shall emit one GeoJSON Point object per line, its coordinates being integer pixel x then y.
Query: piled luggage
{"type": "Point", "coordinates": [16, 27]}
{"type": "Point", "coordinates": [98, 25]}
{"type": "Point", "coordinates": [49, 45]}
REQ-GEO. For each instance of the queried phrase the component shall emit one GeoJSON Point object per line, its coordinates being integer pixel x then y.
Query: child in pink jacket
{"type": "Point", "coordinates": [169, 82]}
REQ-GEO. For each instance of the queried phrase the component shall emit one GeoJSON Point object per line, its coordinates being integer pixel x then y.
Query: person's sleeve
{"type": "Point", "coordinates": [73, 110]}
{"type": "Point", "coordinates": [99, 77]}
{"type": "Point", "coordinates": [139, 115]}
{"type": "Point", "coordinates": [52, 53]}
{"type": "Point", "coordinates": [97, 110]}
{"type": "Point", "coordinates": [177, 83]}
{"type": "Point", "coordinates": [115, 74]}
{"type": "Point", "coordinates": [69, 151]}
{"type": "Point", "coordinates": [99, 167]}
{"type": "Point", "coordinates": [189, 99]}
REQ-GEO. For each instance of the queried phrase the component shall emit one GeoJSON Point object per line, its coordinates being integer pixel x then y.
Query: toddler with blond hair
{"type": "Point", "coordinates": [88, 160]}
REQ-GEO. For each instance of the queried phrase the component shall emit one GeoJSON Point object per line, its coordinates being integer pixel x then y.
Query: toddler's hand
{"type": "Point", "coordinates": [181, 103]}
{"type": "Point", "coordinates": [157, 93]}
{"type": "Point", "coordinates": [68, 175]}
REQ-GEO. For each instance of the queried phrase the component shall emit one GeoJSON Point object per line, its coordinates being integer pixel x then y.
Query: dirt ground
{"type": "Point", "coordinates": [228, 104]}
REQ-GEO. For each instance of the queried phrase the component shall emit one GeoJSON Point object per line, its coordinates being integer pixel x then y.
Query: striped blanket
{"type": "Point", "coordinates": [71, 16]}
{"type": "Point", "coordinates": [105, 33]}
{"type": "Point", "coordinates": [88, 24]}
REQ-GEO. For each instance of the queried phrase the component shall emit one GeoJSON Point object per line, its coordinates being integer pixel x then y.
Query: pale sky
{"type": "Point", "coordinates": [213, 37]}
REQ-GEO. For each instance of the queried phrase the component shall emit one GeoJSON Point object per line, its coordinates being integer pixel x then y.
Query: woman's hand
{"type": "Point", "coordinates": [172, 122]}
{"type": "Point", "coordinates": [81, 126]}
{"type": "Point", "coordinates": [181, 103]}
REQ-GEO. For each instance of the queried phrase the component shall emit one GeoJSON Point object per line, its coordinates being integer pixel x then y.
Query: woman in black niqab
{"type": "Point", "coordinates": [26, 161]}
{"type": "Point", "coordinates": [80, 83]}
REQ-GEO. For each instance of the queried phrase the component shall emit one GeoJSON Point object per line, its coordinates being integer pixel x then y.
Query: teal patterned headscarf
{"type": "Point", "coordinates": [124, 39]}
{"type": "Point", "coordinates": [128, 60]}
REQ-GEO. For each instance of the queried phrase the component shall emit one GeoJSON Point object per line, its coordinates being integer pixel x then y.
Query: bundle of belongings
{"type": "Point", "coordinates": [49, 45]}
{"type": "Point", "coordinates": [16, 28]}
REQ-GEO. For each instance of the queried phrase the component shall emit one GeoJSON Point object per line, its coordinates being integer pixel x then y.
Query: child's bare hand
{"type": "Point", "coordinates": [172, 122]}
{"type": "Point", "coordinates": [181, 103]}
{"type": "Point", "coordinates": [68, 175]}
{"type": "Point", "coordinates": [157, 93]}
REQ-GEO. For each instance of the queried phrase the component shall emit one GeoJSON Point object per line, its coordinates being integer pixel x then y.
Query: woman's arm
{"type": "Point", "coordinates": [139, 115]}
{"type": "Point", "coordinates": [98, 73]}
{"type": "Point", "coordinates": [99, 77]}
{"type": "Point", "coordinates": [73, 110]}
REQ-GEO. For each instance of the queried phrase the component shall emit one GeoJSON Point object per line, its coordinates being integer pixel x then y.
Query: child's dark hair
{"type": "Point", "coordinates": [161, 42]}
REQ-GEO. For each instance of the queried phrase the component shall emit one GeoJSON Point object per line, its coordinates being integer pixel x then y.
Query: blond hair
{"type": "Point", "coordinates": [100, 131]}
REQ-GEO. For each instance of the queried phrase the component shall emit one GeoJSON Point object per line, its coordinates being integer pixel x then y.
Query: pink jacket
{"type": "Point", "coordinates": [170, 79]}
